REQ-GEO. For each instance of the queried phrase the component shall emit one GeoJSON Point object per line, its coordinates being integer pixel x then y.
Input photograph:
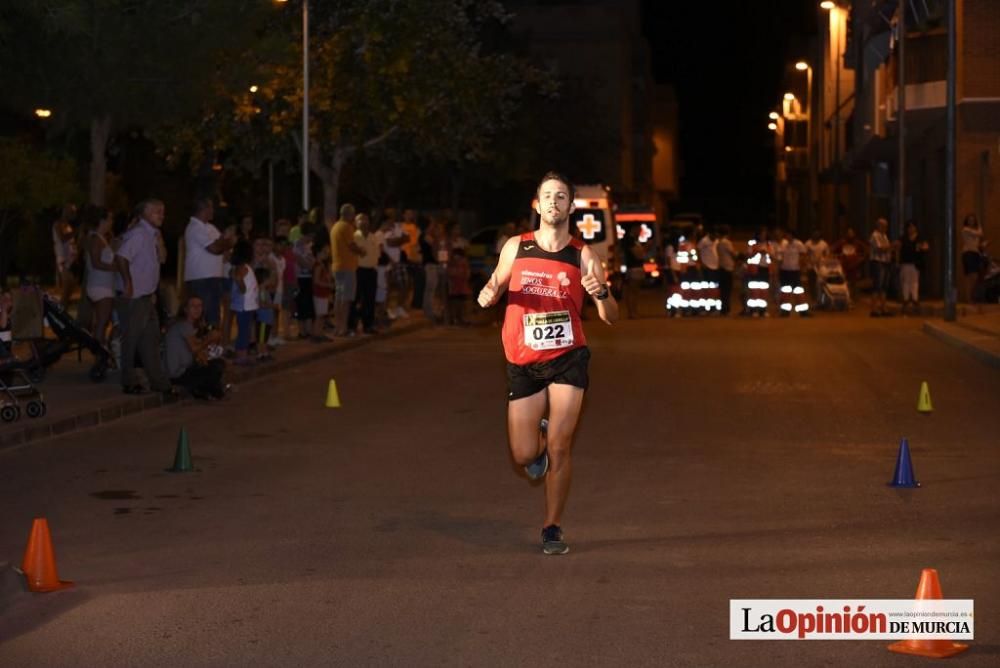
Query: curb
{"type": "Point", "coordinates": [126, 407]}
{"type": "Point", "coordinates": [982, 346]}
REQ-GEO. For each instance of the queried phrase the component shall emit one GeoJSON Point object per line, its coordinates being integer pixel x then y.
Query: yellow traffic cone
{"type": "Point", "coordinates": [332, 397]}
{"type": "Point", "coordinates": [924, 402]}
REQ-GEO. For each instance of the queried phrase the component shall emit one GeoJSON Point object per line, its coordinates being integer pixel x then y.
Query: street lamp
{"type": "Point", "coordinates": [803, 66]}
{"type": "Point", "coordinates": [773, 115]}
{"type": "Point", "coordinates": [43, 113]}
{"type": "Point", "coordinates": [827, 5]}
{"type": "Point", "coordinates": [772, 126]}
{"type": "Point", "coordinates": [305, 102]}
{"type": "Point", "coordinates": [253, 89]}
{"type": "Point", "coordinates": [789, 96]}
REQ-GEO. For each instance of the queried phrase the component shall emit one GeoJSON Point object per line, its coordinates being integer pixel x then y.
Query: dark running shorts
{"type": "Point", "coordinates": [567, 369]}
{"type": "Point", "coordinates": [971, 262]}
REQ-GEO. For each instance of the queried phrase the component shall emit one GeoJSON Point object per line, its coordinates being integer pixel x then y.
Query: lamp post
{"type": "Point", "coordinates": [803, 66]}
{"type": "Point", "coordinates": [901, 119]}
{"type": "Point", "coordinates": [305, 102]}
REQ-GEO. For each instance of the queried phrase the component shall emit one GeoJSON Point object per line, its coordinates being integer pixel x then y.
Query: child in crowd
{"type": "Point", "coordinates": [265, 312]}
{"type": "Point", "coordinates": [290, 286]}
{"type": "Point", "coordinates": [322, 290]}
{"type": "Point", "coordinates": [459, 288]}
{"type": "Point", "coordinates": [243, 299]}
{"type": "Point", "coordinates": [277, 261]}
{"type": "Point", "coordinates": [305, 312]}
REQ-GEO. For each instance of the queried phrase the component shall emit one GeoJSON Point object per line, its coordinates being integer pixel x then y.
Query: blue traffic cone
{"type": "Point", "coordinates": [903, 477]}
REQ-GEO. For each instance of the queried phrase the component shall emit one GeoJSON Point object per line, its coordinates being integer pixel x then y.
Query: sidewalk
{"type": "Point", "coordinates": [74, 402]}
{"type": "Point", "coordinates": [976, 333]}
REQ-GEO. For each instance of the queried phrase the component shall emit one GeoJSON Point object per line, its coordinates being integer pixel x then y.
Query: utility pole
{"type": "Point", "coordinates": [949, 170]}
{"type": "Point", "coordinates": [901, 122]}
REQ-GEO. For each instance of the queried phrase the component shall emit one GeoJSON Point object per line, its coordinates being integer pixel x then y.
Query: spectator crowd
{"type": "Point", "coordinates": [244, 294]}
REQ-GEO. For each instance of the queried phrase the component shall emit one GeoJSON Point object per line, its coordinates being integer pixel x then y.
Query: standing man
{"type": "Point", "coordinates": [204, 246]}
{"type": "Point", "coordinates": [414, 259]}
{"type": "Point", "coordinates": [138, 264]}
{"type": "Point", "coordinates": [635, 257]}
{"type": "Point", "coordinates": [817, 250]}
{"type": "Point", "coordinates": [547, 274]}
{"type": "Point", "coordinates": [364, 306]}
{"type": "Point", "coordinates": [881, 249]}
{"type": "Point", "coordinates": [344, 254]}
{"type": "Point", "coordinates": [793, 295]}
{"type": "Point", "coordinates": [727, 265]}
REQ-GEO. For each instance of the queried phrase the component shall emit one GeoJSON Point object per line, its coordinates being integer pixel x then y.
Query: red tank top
{"type": "Point", "coordinates": [545, 298]}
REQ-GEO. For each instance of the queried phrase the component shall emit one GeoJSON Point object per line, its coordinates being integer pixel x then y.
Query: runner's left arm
{"type": "Point", "coordinates": [594, 282]}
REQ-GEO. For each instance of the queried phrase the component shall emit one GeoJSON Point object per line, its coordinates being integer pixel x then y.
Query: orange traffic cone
{"type": "Point", "coordinates": [39, 564]}
{"type": "Point", "coordinates": [929, 588]}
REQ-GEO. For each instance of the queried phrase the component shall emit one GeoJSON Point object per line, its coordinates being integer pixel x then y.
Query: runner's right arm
{"type": "Point", "coordinates": [497, 284]}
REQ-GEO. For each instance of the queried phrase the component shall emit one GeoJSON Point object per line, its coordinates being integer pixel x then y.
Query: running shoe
{"type": "Point", "coordinates": [540, 466]}
{"type": "Point", "coordinates": [552, 540]}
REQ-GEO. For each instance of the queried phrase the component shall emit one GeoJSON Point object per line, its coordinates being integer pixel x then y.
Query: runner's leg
{"type": "Point", "coordinates": [565, 402]}
{"type": "Point", "coordinates": [523, 418]}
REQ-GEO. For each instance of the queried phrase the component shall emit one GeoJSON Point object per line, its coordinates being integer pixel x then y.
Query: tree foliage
{"type": "Point", "coordinates": [30, 182]}
{"type": "Point", "coordinates": [413, 73]}
{"type": "Point", "coordinates": [102, 66]}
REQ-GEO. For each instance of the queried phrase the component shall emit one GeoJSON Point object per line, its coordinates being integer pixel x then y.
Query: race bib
{"type": "Point", "coordinates": [548, 331]}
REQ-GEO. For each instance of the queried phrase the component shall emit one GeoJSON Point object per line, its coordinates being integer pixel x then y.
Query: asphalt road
{"type": "Point", "coordinates": [715, 460]}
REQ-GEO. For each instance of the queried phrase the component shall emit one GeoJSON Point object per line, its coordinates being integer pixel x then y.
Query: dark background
{"type": "Point", "coordinates": [726, 61]}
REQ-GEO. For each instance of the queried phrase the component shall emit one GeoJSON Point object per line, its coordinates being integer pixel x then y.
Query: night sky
{"type": "Point", "coordinates": [725, 59]}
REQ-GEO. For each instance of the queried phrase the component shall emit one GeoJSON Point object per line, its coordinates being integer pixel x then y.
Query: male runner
{"type": "Point", "coordinates": [547, 273]}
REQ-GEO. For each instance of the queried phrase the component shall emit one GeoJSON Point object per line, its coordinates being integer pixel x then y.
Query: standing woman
{"type": "Point", "coordinates": [911, 250]}
{"type": "Point", "coordinates": [972, 255]}
{"type": "Point", "coordinates": [99, 262]}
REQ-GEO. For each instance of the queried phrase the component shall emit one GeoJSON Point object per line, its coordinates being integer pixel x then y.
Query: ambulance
{"type": "Point", "coordinates": [593, 222]}
{"type": "Point", "coordinates": [650, 236]}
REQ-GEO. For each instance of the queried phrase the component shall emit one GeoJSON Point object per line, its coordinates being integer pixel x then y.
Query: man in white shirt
{"type": "Point", "coordinates": [727, 265]}
{"type": "Point", "coordinates": [792, 295]}
{"type": "Point", "coordinates": [367, 273]}
{"type": "Point", "coordinates": [138, 263]}
{"type": "Point", "coordinates": [817, 250]}
{"type": "Point", "coordinates": [204, 246]}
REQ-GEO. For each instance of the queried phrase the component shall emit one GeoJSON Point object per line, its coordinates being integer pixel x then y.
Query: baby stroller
{"type": "Point", "coordinates": [14, 386]}
{"type": "Point", "coordinates": [32, 310]}
{"type": "Point", "coordinates": [832, 285]}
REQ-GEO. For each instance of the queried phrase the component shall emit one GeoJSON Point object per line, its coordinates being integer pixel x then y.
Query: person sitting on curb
{"type": "Point", "coordinates": [193, 351]}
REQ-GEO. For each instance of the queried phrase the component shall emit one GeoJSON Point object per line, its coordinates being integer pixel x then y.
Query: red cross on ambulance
{"type": "Point", "coordinates": [588, 226]}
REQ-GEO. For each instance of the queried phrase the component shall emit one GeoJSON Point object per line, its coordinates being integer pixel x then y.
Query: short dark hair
{"type": "Point", "coordinates": [557, 176]}
{"type": "Point", "coordinates": [202, 203]}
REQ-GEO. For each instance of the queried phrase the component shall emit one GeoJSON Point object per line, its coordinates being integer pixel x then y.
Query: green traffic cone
{"type": "Point", "coordinates": [182, 459]}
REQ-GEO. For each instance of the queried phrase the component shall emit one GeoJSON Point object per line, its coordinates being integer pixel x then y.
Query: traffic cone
{"type": "Point", "coordinates": [39, 564]}
{"type": "Point", "coordinates": [929, 588]}
{"type": "Point", "coordinates": [182, 457]}
{"type": "Point", "coordinates": [924, 400]}
{"type": "Point", "coordinates": [332, 397]}
{"type": "Point", "coordinates": [903, 475]}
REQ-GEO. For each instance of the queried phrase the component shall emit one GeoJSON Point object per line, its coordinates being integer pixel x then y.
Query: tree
{"type": "Point", "coordinates": [105, 66]}
{"type": "Point", "coordinates": [410, 71]}
{"type": "Point", "coordinates": [30, 182]}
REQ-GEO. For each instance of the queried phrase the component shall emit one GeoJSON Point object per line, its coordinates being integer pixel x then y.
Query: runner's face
{"type": "Point", "coordinates": [554, 203]}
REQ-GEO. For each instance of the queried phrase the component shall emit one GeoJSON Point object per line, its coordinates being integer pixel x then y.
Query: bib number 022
{"type": "Point", "coordinates": [547, 331]}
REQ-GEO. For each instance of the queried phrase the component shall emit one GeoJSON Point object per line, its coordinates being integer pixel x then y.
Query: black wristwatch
{"type": "Point", "coordinates": [603, 294]}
